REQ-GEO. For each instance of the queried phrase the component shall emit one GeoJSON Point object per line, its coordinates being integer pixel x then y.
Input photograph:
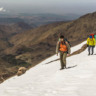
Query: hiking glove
{"type": "Point", "coordinates": [94, 46]}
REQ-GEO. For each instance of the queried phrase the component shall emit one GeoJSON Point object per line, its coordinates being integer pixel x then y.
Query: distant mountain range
{"type": "Point", "coordinates": [10, 20]}
{"type": "Point", "coordinates": [36, 19]}
{"type": "Point", "coordinates": [42, 19]}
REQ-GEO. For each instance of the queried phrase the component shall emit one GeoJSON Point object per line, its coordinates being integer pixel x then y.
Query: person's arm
{"type": "Point", "coordinates": [57, 48]}
{"type": "Point", "coordinates": [94, 42]}
{"type": "Point", "coordinates": [69, 49]}
{"type": "Point", "coordinates": [87, 41]}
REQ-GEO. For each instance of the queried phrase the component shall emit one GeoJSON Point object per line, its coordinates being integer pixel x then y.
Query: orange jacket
{"type": "Point", "coordinates": [58, 47]}
{"type": "Point", "coordinates": [63, 47]}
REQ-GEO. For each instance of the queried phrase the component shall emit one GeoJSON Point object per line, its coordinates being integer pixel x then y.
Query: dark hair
{"type": "Point", "coordinates": [61, 37]}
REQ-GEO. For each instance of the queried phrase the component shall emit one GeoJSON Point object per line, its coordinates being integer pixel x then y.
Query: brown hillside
{"type": "Point", "coordinates": [38, 44]}
{"type": "Point", "coordinates": [6, 31]}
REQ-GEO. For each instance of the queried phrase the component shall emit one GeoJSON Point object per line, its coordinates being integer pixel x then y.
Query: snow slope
{"type": "Point", "coordinates": [47, 80]}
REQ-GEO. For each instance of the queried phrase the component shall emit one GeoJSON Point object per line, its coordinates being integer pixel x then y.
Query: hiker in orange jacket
{"type": "Point", "coordinates": [64, 48]}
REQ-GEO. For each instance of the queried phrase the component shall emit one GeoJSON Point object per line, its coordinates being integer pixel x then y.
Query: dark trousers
{"type": "Point", "coordinates": [63, 56]}
{"type": "Point", "coordinates": [91, 49]}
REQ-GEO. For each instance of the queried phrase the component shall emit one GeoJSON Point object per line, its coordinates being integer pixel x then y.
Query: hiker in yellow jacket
{"type": "Point", "coordinates": [91, 45]}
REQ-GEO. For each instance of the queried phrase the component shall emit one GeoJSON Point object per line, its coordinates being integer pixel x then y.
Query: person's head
{"type": "Point", "coordinates": [90, 37]}
{"type": "Point", "coordinates": [61, 38]}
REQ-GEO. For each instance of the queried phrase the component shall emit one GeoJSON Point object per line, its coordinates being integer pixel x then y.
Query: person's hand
{"type": "Point", "coordinates": [68, 54]}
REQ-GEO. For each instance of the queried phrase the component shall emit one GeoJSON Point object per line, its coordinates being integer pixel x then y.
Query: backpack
{"type": "Point", "coordinates": [95, 37]}
{"type": "Point", "coordinates": [92, 35]}
{"type": "Point", "coordinates": [66, 41]}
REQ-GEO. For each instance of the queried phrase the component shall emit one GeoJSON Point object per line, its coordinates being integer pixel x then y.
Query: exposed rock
{"type": "Point", "coordinates": [1, 79]}
{"type": "Point", "coordinates": [21, 71]}
{"type": "Point", "coordinates": [80, 50]}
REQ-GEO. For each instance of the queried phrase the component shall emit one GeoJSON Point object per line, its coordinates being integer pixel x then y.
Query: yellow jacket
{"type": "Point", "coordinates": [91, 41]}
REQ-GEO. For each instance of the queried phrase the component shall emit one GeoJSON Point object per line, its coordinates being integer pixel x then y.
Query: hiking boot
{"type": "Point", "coordinates": [89, 54]}
{"type": "Point", "coordinates": [61, 68]}
{"type": "Point", "coordinates": [65, 67]}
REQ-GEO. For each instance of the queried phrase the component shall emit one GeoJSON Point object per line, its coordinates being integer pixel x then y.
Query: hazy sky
{"type": "Point", "coordinates": [48, 6]}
